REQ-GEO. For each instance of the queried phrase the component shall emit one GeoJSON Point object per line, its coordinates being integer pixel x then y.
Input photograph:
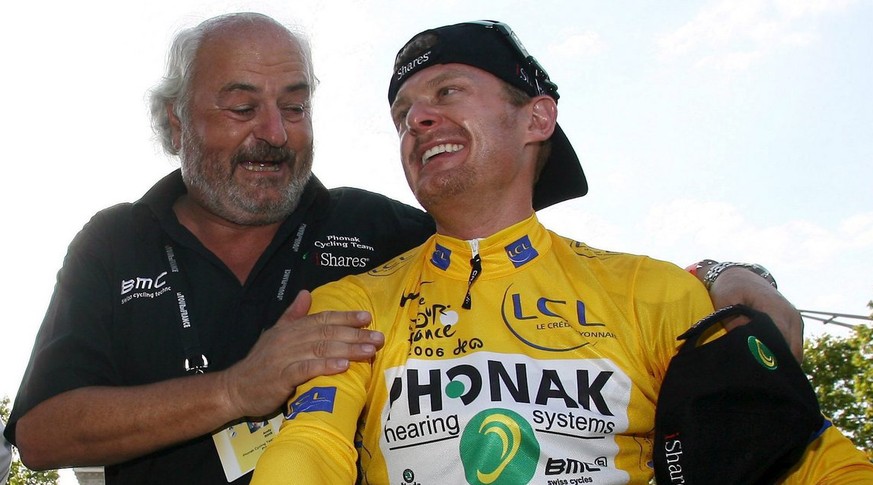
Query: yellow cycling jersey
{"type": "Point", "coordinates": [524, 357]}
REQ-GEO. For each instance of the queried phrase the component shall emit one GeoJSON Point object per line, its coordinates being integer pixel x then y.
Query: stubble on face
{"type": "Point", "coordinates": [446, 186]}
{"type": "Point", "coordinates": [247, 205]}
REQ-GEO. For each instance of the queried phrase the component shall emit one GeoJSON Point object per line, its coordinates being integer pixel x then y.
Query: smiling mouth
{"type": "Point", "coordinates": [444, 148]}
{"type": "Point", "coordinates": [261, 166]}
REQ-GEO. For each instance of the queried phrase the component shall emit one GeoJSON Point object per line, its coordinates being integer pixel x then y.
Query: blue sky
{"type": "Point", "coordinates": [733, 130]}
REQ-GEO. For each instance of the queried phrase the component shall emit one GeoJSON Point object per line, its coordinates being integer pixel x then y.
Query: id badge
{"type": "Point", "coordinates": [239, 446]}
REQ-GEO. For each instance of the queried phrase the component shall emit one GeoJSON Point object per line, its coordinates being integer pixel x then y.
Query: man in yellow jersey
{"type": "Point", "coordinates": [513, 355]}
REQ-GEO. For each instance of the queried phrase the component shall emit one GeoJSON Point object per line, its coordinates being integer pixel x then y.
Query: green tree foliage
{"type": "Point", "coordinates": [841, 372]}
{"type": "Point", "coordinates": [20, 474]}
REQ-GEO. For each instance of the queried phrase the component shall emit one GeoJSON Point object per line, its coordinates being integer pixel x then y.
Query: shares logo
{"type": "Point", "coordinates": [339, 261]}
{"type": "Point", "coordinates": [412, 65]}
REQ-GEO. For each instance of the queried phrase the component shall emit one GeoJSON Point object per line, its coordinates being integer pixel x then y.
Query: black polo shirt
{"type": "Point", "coordinates": [116, 317]}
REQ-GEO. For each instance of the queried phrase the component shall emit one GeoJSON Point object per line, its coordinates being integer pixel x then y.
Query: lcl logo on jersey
{"type": "Point", "coordinates": [533, 308]}
{"type": "Point", "coordinates": [552, 324]}
{"type": "Point", "coordinates": [521, 251]}
{"type": "Point", "coordinates": [441, 257]}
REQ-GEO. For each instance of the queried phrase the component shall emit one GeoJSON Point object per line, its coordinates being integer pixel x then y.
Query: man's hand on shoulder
{"type": "Point", "coordinates": [297, 348]}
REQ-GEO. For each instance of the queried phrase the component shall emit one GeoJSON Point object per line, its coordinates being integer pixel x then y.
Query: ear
{"type": "Point", "coordinates": [175, 126]}
{"type": "Point", "coordinates": [544, 116]}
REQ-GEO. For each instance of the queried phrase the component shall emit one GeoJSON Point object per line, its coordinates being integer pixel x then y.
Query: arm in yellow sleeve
{"type": "Point", "coordinates": [315, 444]}
{"type": "Point", "coordinates": [832, 459]}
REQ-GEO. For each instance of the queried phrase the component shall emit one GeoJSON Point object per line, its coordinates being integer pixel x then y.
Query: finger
{"type": "Point", "coordinates": [315, 324]}
{"type": "Point", "coordinates": [344, 318]}
{"type": "Point", "coordinates": [794, 332]}
{"type": "Point", "coordinates": [358, 350]}
{"type": "Point", "coordinates": [302, 342]}
{"type": "Point", "coordinates": [350, 335]}
{"type": "Point", "coordinates": [300, 306]}
{"type": "Point", "coordinates": [305, 370]}
{"type": "Point", "coordinates": [735, 322]}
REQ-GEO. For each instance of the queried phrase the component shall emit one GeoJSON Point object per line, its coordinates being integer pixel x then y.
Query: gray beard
{"type": "Point", "coordinates": [222, 196]}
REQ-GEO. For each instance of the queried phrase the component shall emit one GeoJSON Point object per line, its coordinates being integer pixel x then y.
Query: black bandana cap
{"type": "Point", "coordinates": [493, 47]}
{"type": "Point", "coordinates": [738, 409]}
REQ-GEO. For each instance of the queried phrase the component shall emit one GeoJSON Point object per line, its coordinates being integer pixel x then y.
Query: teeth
{"type": "Point", "coordinates": [260, 167]}
{"type": "Point", "coordinates": [444, 148]}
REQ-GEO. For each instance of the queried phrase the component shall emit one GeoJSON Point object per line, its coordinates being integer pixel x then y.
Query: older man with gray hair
{"type": "Point", "coordinates": [172, 336]}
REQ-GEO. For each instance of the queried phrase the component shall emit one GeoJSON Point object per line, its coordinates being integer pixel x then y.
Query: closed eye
{"type": "Point", "coordinates": [294, 112]}
{"type": "Point", "coordinates": [242, 111]}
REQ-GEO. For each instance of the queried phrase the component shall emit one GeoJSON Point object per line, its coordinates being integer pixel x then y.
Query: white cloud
{"type": "Point", "coordinates": [732, 35]}
{"type": "Point", "coordinates": [684, 219]}
{"type": "Point", "coordinates": [721, 229]}
{"type": "Point", "coordinates": [731, 61]}
{"type": "Point", "coordinates": [715, 25]}
{"type": "Point", "coordinates": [819, 266]}
{"type": "Point", "coordinates": [571, 220]}
{"type": "Point", "coordinates": [799, 8]}
{"type": "Point", "coordinates": [858, 230]}
{"type": "Point", "coordinates": [578, 46]}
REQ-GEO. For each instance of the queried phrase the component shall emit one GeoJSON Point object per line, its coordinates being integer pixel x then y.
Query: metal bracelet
{"type": "Point", "coordinates": [717, 269]}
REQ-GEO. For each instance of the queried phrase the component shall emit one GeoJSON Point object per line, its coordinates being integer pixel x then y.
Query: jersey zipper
{"type": "Point", "coordinates": [475, 271]}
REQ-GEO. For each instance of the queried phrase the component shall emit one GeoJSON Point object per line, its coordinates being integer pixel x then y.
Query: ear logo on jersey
{"type": "Point", "coordinates": [521, 251]}
{"type": "Point", "coordinates": [441, 257]}
{"type": "Point", "coordinates": [499, 446]}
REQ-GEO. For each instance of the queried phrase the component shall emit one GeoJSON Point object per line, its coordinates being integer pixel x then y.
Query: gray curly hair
{"type": "Point", "coordinates": [174, 87]}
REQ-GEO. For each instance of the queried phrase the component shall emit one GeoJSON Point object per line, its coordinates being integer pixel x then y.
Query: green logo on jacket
{"type": "Point", "coordinates": [499, 447]}
{"type": "Point", "coordinates": [762, 354]}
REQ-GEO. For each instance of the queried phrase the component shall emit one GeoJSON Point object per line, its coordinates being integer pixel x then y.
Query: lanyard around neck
{"type": "Point", "coordinates": [195, 360]}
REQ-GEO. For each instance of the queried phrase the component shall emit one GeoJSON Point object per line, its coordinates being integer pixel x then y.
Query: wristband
{"type": "Point", "coordinates": [717, 269]}
{"type": "Point", "coordinates": [694, 269]}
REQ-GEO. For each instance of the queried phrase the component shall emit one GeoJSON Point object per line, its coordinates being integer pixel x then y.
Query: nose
{"type": "Point", "coordinates": [270, 127]}
{"type": "Point", "coordinates": [421, 117]}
